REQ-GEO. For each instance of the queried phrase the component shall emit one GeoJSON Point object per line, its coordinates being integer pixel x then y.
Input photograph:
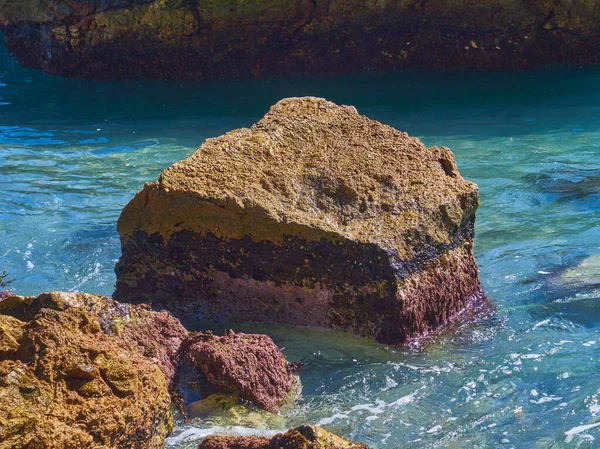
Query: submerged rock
{"type": "Point", "coordinates": [585, 274]}
{"type": "Point", "coordinates": [225, 410]}
{"type": "Point", "coordinates": [315, 216]}
{"type": "Point", "coordinates": [248, 365]}
{"type": "Point", "coordinates": [71, 376]}
{"type": "Point", "coordinates": [232, 38]}
{"type": "Point", "coordinates": [303, 437]}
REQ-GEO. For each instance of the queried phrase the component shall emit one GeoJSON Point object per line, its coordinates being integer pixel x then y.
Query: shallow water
{"type": "Point", "coordinates": [72, 153]}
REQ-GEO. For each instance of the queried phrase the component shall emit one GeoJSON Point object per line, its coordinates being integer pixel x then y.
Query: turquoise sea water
{"type": "Point", "coordinates": [72, 153]}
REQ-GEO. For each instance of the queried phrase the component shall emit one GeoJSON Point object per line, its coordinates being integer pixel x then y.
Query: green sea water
{"type": "Point", "coordinates": [73, 153]}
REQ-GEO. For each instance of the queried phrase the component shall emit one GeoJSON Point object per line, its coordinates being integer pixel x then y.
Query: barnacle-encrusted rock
{"type": "Point", "coordinates": [303, 437]}
{"type": "Point", "coordinates": [315, 216]}
{"type": "Point", "coordinates": [72, 376]}
{"type": "Point", "coordinates": [250, 366]}
{"type": "Point", "coordinates": [231, 38]}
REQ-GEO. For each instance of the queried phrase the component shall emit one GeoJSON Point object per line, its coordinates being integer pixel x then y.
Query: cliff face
{"type": "Point", "coordinates": [315, 216]}
{"type": "Point", "coordinates": [203, 39]}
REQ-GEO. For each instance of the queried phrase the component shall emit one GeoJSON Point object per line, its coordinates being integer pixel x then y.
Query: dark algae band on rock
{"type": "Point", "coordinates": [314, 216]}
{"type": "Point", "coordinates": [205, 39]}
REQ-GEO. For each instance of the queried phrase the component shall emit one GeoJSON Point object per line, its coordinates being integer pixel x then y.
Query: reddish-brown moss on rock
{"type": "Point", "coordinates": [68, 381]}
{"type": "Point", "coordinates": [251, 366]}
{"type": "Point", "coordinates": [314, 216]}
{"type": "Point", "coordinates": [303, 437]}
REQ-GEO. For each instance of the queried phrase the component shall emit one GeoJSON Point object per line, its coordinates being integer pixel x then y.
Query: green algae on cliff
{"type": "Point", "coordinates": [314, 216]}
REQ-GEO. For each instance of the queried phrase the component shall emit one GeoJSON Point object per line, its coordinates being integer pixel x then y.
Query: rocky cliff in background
{"type": "Point", "coordinates": [203, 39]}
{"type": "Point", "coordinates": [315, 216]}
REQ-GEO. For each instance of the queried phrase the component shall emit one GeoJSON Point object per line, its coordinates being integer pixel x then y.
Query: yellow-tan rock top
{"type": "Point", "coordinates": [319, 168]}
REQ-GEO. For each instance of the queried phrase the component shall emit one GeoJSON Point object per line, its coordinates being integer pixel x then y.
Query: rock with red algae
{"type": "Point", "coordinates": [155, 335]}
{"type": "Point", "coordinates": [303, 437]}
{"type": "Point", "coordinates": [314, 216]}
{"type": "Point", "coordinates": [249, 365]}
{"type": "Point", "coordinates": [65, 382]}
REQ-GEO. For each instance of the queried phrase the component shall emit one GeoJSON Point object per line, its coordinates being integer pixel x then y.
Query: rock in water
{"type": "Point", "coordinates": [303, 437]}
{"type": "Point", "coordinates": [314, 216]}
{"type": "Point", "coordinates": [68, 379]}
{"type": "Point", "coordinates": [249, 365]}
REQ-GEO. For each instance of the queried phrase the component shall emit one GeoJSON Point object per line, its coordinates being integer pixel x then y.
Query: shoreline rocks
{"type": "Point", "coordinates": [303, 437]}
{"type": "Point", "coordinates": [201, 39]}
{"type": "Point", "coordinates": [315, 216]}
{"type": "Point", "coordinates": [81, 370]}
{"type": "Point", "coordinates": [66, 380]}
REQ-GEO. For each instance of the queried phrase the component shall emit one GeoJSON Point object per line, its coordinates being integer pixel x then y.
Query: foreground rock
{"type": "Point", "coordinates": [250, 366]}
{"type": "Point", "coordinates": [75, 373]}
{"type": "Point", "coordinates": [304, 437]}
{"type": "Point", "coordinates": [155, 335]}
{"type": "Point", "coordinates": [208, 39]}
{"type": "Point", "coordinates": [315, 216]}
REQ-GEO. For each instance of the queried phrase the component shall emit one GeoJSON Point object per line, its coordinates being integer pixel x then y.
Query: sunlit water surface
{"type": "Point", "coordinates": [72, 153]}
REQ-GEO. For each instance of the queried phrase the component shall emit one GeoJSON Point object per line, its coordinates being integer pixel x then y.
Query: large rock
{"type": "Point", "coordinates": [248, 365]}
{"type": "Point", "coordinates": [303, 437]}
{"type": "Point", "coordinates": [230, 38]}
{"type": "Point", "coordinates": [315, 216]}
{"type": "Point", "coordinates": [68, 380]}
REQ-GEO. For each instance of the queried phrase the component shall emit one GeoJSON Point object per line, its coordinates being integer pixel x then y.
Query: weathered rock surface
{"type": "Point", "coordinates": [155, 335]}
{"type": "Point", "coordinates": [72, 375]}
{"type": "Point", "coordinates": [250, 366]}
{"type": "Point", "coordinates": [315, 216]}
{"type": "Point", "coordinates": [230, 38]}
{"type": "Point", "coordinates": [304, 437]}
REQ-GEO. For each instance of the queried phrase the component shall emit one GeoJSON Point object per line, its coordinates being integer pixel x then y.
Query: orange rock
{"type": "Point", "coordinates": [71, 375]}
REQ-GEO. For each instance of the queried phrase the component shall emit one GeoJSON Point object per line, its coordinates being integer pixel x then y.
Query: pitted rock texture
{"type": "Point", "coordinates": [202, 39]}
{"type": "Point", "coordinates": [155, 335]}
{"type": "Point", "coordinates": [303, 437]}
{"type": "Point", "coordinates": [250, 366]}
{"type": "Point", "coordinates": [315, 216]}
{"type": "Point", "coordinates": [68, 381]}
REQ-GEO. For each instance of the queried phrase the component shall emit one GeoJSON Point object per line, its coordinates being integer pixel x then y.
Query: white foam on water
{"type": "Point", "coordinates": [193, 433]}
{"type": "Point", "coordinates": [545, 399]}
{"type": "Point", "coordinates": [376, 409]}
{"type": "Point", "coordinates": [541, 323]}
{"type": "Point", "coordinates": [577, 430]}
